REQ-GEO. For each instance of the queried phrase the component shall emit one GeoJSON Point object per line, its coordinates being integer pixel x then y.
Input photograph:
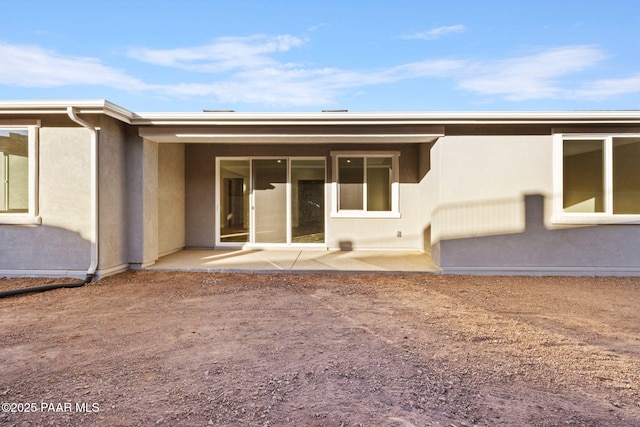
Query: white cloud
{"type": "Point", "coordinates": [254, 75]}
{"type": "Point", "coordinates": [253, 92]}
{"type": "Point", "coordinates": [608, 88]}
{"type": "Point", "coordinates": [304, 86]}
{"type": "Point", "coordinates": [536, 76]}
{"type": "Point", "coordinates": [236, 70]}
{"type": "Point", "coordinates": [224, 54]}
{"type": "Point", "coordinates": [33, 66]}
{"type": "Point", "coordinates": [436, 33]}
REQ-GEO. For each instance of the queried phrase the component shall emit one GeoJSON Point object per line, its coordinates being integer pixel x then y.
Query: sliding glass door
{"type": "Point", "coordinates": [307, 200]}
{"type": "Point", "coordinates": [271, 201]}
{"type": "Point", "coordinates": [233, 201]}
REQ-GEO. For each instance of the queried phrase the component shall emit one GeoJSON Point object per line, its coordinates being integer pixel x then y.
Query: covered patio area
{"type": "Point", "coordinates": [296, 260]}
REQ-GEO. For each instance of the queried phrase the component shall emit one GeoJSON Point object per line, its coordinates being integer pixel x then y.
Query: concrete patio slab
{"type": "Point", "coordinates": [307, 260]}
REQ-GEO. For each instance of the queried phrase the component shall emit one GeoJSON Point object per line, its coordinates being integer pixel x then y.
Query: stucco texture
{"type": "Point", "coordinates": [60, 245]}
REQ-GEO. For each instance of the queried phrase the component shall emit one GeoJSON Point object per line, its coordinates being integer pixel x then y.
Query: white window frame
{"type": "Point", "coordinates": [362, 213]}
{"type": "Point", "coordinates": [31, 216]}
{"type": "Point", "coordinates": [588, 218]}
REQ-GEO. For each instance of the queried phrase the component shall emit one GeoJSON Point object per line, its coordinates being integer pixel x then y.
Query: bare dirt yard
{"type": "Point", "coordinates": [196, 349]}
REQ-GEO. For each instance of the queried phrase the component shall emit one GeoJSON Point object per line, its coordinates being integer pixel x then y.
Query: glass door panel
{"type": "Point", "coordinates": [234, 201]}
{"type": "Point", "coordinates": [307, 201]}
{"type": "Point", "coordinates": [270, 200]}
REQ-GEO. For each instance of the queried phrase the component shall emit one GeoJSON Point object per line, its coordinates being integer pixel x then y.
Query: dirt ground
{"type": "Point", "coordinates": [196, 349]}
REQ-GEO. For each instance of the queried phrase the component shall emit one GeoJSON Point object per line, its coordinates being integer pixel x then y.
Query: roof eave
{"type": "Point", "coordinates": [60, 107]}
{"type": "Point", "coordinates": [382, 118]}
{"type": "Point", "coordinates": [101, 106]}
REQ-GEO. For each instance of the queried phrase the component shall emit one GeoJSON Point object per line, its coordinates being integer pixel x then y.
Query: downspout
{"type": "Point", "coordinates": [94, 218]}
{"type": "Point", "coordinates": [71, 112]}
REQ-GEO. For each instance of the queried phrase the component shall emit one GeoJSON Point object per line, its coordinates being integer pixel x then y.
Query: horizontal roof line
{"type": "Point", "coordinates": [324, 118]}
{"type": "Point", "coordinates": [390, 116]}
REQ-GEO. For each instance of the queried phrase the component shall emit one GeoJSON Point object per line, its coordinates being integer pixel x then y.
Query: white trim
{"type": "Point", "coordinates": [437, 118]}
{"type": "Point", "coordinates": [34, 160]}
{"type": "Point", "coordinates": [218, 219]}
{"type": "Point", "coordinates": [20, 219]}
{"type": "Point", "coordinates": [31, 216]}
{"type": "Point", "coordinates": [608, 175]}
{"type": "Point", "coordinates": [395, 185]}
{"type": "Point", "coordinates": [559, 215]}
{"type": "Point", "coordinates": [288, 201]}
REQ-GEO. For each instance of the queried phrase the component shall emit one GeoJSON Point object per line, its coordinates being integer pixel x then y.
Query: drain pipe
{"type": "Point", "coordinates": [71, 112]}
{"type": "Point", "coordinates": [13, 292]}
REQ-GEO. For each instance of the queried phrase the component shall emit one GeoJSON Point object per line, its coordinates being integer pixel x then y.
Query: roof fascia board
{"type": "Point", "coordinates": [44, 107]}
{"type": "Point", "coordinates": [418, 118]}
{"type": "Point", "coordinates": [60, 107]}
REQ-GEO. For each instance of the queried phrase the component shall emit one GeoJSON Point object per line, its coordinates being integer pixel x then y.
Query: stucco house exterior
{"type": "Point", "coordinates": [92, 188]}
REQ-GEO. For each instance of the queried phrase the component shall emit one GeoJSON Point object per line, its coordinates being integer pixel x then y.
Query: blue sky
{"type": "Point", "coordinates": [445, 55]}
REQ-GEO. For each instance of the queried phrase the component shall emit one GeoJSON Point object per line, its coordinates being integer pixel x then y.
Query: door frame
{"type": "Point", "coordinates": [251, 243]}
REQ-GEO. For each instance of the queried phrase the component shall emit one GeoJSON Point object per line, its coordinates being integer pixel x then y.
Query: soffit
{"type": "Point", "coordinates": [294, 134]}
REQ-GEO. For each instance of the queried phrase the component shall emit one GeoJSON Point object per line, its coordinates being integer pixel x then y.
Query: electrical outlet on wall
{"type": "Point", "coordinates": [398, 233]}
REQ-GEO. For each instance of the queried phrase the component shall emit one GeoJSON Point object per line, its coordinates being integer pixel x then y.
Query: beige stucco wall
{"type": "Point", "coordinates": [171, 198]}
{"type": "Point", "coordinates": [114, 137]}
{"type": "Point", "coordinates": [142, 202]}
{"type": "Point", "coordinates": [384, 233]}
{"type": "Point", "coordinates": [495, 208]}
{"type": "Point", "coordinates": [429, 188]}
{"type": "Point", "coordinates": [200, 180]}
{"type": "Point", "coordinates": [60, 245]}
{"type": "Point", "coordinates": [483, 180]}
{"type": "Point", "coordinates": [467, 198]}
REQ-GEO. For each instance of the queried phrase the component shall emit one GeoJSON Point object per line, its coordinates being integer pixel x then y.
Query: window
{"type": "Point", "coordinates": [365, 185]}
{"type": "Point", "coordinates": [17, 175]}
{"type": "Point", "coordinates": [597, 178]}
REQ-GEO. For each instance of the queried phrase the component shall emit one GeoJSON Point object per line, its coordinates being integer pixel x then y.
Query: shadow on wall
{"type": "Point", "coordinates": [345, 245]}
{"type": "Point", "coordinates": [42, 247]}
{"type": "Point", "coordinates": [536, 246]}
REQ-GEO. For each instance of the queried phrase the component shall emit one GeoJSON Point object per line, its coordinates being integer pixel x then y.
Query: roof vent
{"type": "Point", "coordinates": [218, 111]}
{"type": "Point", "coordinates": [335, 111]}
